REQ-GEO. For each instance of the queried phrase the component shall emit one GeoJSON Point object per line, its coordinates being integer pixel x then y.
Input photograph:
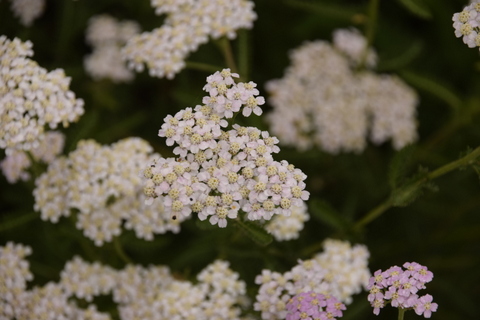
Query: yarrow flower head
{"type": "Point", "coordinates": [218, 171]}
{"type": "Point", "coordinates": [146, 293]}
{"type": "Point", "coordinates": [311, 306]}
{"type": "Point", "coordinates": [107, 36]}
{"type": "Point", "coordinates": [399, 287]}
{"type": "Point", "coordinates": [322, 101]}
{"type": "Point", "coordinates": [31, 98]}
{"type": "Point", "coordinates": [103, 184]}
{"type": "Point", "coordinates": [467, 24]}
{"type": "Point", "coordinates": [340, 271]}
{"type": "Point", "coordinates": [189, 23]}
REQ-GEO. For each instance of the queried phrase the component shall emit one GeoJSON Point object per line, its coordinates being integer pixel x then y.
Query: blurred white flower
{"type": "Point", "coordinates": [107, 36]}
{"type": "Point", "coordinates": [188, 24]}
{"type": "Point", "coordinates": [322, 101]}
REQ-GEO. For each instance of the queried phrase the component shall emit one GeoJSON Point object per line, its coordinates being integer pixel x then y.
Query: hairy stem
{"type": "Point", "coordinates": [227, 52]}
{"type": "Point", "coordinates": [387, 204]}
{"type": "Point", "coordinates": [370, 28]}
{"type": "Point", "coordinates": [202, 66]}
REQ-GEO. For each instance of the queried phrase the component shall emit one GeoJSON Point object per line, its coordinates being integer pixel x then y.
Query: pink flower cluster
{"type": "Point", "coordinates": [399, 288]}
{"type": "Point", "coordinates": [312, 305]}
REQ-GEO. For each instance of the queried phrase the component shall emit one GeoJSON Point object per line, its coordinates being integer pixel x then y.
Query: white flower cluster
{"type": "Point", "coordinates": [153, 293]}
{"type": "Point", "coordinates": [220, 171]}
{"type": "Point", "coordinates": [107, 36]}
{"type": "Point", "coordinates": [104, 185]}
{"type": "Point", "coordinates": [322, 101]}
{"type": "Point", "coordinates": [50, 302]}
{"type": "Point", "coordinates": [284, 228]}
{"type": "Point", "coordinates": [15, 164]}
{"type": "Point", "coordinates": [28, 10]}
{"type": "Point", "coordinates": [341, 271]}
{"type": "Point", "coordinates": [467, 24]}
{"type": "Point", "coordinates": [31, 98]}
{"type": "Point", "coordinates": [141, 293]}
{"type": "Point", "coordinates": [188, 24]}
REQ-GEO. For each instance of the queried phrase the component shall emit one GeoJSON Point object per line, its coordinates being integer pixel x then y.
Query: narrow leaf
{"type": "Point", "coordinates": [255, 232]}
{"type": "Point", "coordinates": [403, 58]}
{"type": "Point", "coordinates": [399, 165]}
{"type": "Point", "coordinates": [418, 8]}
{"type": "Point", "coordinates": [338, 12]}
{"type": "Point", "coordinates": [433, 87]}
{"type": "Point", "coordinates": [412, 189]}
{"type": "Point", "coordinates": [324, 212]}
{"type": "Point", "coordinates": [402, 197]}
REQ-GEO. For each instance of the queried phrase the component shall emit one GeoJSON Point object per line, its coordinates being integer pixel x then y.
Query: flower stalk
{"type": "Point", "coordinates": [387, 204]}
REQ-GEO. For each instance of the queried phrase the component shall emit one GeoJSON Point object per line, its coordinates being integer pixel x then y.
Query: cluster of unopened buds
{"type": "Point", "coordinates": [399, 287]}
{"type": "Point", "coordinates": [220, 171]}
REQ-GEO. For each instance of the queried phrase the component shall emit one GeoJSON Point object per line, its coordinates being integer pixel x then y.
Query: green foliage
{"type": "Point", "coordinates": [325, 213]}
{"type": "Point", "coordinates": [255, 232]}
{"type": "Point", "coordinates": [418, 8]}
{"type": "Point", "coordinates": [399, 166]}
{"type": "Point", "coordinates": [376, 193]}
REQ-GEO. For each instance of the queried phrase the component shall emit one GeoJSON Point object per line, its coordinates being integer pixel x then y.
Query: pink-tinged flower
{"type": "Point", "coordinates": [396, 299]}
{"type": "Point", "coordinates": [399, 288]}
{"type": "Point", "coordinates": [408, 285]}
{"type": "Point", "coordinates": [412, 266]}
{"type": "Point", "coordinates": [423, 275]}
{"type": "Point", "coordinates": [425, 306]}
{"type": "Point", "coordinates": [378, 303]}
{"type": "Point", "coordinates": [311, 305]}
{"type": "Point", "coordinates": [374, 289]}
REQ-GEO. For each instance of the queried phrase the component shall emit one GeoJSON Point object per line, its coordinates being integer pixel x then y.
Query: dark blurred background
{"type": "Point", "coordinates": [414, 39]}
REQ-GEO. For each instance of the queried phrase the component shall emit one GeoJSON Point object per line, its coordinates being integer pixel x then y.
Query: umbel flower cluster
{"type": "Point", "coordinates": [139, 292]}
{"type": "Point", "coordinates": [220, 171]}
{"type": "Point", "coordinates": [48, 302]}
{"type": "Point", "coordinates": [31, 98]}
{"type": "Point", "coordinates": [102, 184]}
{"type": "Point", "coordinates": [399, 287]}
{"type": "Point", "coordinates": [107, 36]}
{"type": "Point", "coordinates": [15, 165]}
{"type": "Point", "coordinates": [188, 24]}
{"type": "Point", "coordinates": [340, 271]}
{"type": "Point", "coordinates": [322, 101]}
{"type": "Point", "coordinates": [467, 24]}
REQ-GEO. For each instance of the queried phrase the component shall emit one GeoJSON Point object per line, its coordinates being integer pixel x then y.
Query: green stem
{"type": "Point", "coordinates": [227, 52]}
{"type": "Point", "coordinates": [338, 12]}
{"type": "Point", "coordinates": [24, 219]}
{"type": "Point", "coordinates": [243, 53]}
{"type": "Point", "coordinates": [119, 250]}
{"type": "Point", "coordinates": [202, 66]}
{"type": "Point", "coordinates": [35, 167]}
{"type": "Point", "coordinates": [401, 312]}
{"type": "Point", "coordinates": [384, 206]}
{"type": "Point", "coordinates": [373, 214]}
{"type": "Point", "coordinates": [370, 28]}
